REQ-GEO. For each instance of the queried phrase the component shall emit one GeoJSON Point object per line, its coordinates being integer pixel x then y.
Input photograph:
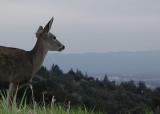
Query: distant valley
{"type": "Point", "coordinates": [120, 66]}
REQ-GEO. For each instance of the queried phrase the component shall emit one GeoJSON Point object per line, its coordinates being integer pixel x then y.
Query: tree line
{"type": "Point", "coordinates": [99, 95]}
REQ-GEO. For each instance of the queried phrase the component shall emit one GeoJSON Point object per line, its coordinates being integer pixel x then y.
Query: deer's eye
{"type": "Point", "coordinates": [54, 38]}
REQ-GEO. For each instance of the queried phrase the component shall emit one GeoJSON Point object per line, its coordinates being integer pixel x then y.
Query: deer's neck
{"type": "Point", "coordinates": [38, 54]}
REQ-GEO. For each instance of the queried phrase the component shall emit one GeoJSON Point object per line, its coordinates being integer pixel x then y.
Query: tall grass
{"type": "Point", "coordinates": [23, 108]}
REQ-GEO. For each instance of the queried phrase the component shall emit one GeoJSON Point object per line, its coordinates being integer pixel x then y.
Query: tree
{"type": "Point", "coordinates": [55, 70]}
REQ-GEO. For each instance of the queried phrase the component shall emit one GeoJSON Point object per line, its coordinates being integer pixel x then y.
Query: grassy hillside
{"type": "Point", "coordinates": [23, 108]}
{"type": "Point", "coordinates": [26, 109]}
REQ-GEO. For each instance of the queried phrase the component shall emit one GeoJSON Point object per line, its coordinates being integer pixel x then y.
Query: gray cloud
{"type": "Point", "coordinates": [84, 25]}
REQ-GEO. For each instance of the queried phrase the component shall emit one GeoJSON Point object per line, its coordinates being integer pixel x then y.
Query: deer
{"type": "Point", "coordinates": [18, 66]}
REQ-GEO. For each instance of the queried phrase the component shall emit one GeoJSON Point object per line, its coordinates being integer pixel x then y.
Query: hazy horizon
{"type": "Point", "coordinates": [146, 62]}
{"type": "Point", "coordinates": [132, 51]}
{"type": "Point", "coordinates": [144, 65]}
{"type": "Point", "coordinates": [83, 26]}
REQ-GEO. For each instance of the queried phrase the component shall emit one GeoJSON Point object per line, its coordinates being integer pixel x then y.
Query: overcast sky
{"type": "Point", "coordinates": [83, 25]}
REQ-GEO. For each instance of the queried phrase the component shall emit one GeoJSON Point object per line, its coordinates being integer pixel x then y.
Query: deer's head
{"type": "Point", "coordinates": [48, 39]}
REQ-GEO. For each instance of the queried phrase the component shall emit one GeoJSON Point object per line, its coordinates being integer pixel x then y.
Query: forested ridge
{"type": "Point", "coordinates": [94, 94]}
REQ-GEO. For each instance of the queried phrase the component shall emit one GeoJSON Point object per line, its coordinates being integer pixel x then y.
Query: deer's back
{"type": "Point", "coordinates": [15, 65]}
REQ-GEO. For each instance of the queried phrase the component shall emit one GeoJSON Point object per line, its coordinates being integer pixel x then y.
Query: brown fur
{"type": "Point", "coordinates": [15, 65]}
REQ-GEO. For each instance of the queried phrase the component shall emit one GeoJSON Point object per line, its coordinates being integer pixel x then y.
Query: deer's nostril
{"type": "Point", "coordinates": [63, 47]}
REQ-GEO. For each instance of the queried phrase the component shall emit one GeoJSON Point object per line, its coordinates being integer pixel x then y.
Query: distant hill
{"type": "Point", "coordinates": [120, 66]}
{"type": "Point", "coordinates": [147, 62]}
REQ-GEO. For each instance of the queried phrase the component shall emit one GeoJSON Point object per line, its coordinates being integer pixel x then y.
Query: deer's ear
{"type": "Point", "coordinates": [48, 26]}
{"type": "Point", "coordinates": [40, 29]}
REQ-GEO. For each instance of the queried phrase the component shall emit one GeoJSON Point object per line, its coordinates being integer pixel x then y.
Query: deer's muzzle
{"type": "Point", "coordinates": [61, 48]}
